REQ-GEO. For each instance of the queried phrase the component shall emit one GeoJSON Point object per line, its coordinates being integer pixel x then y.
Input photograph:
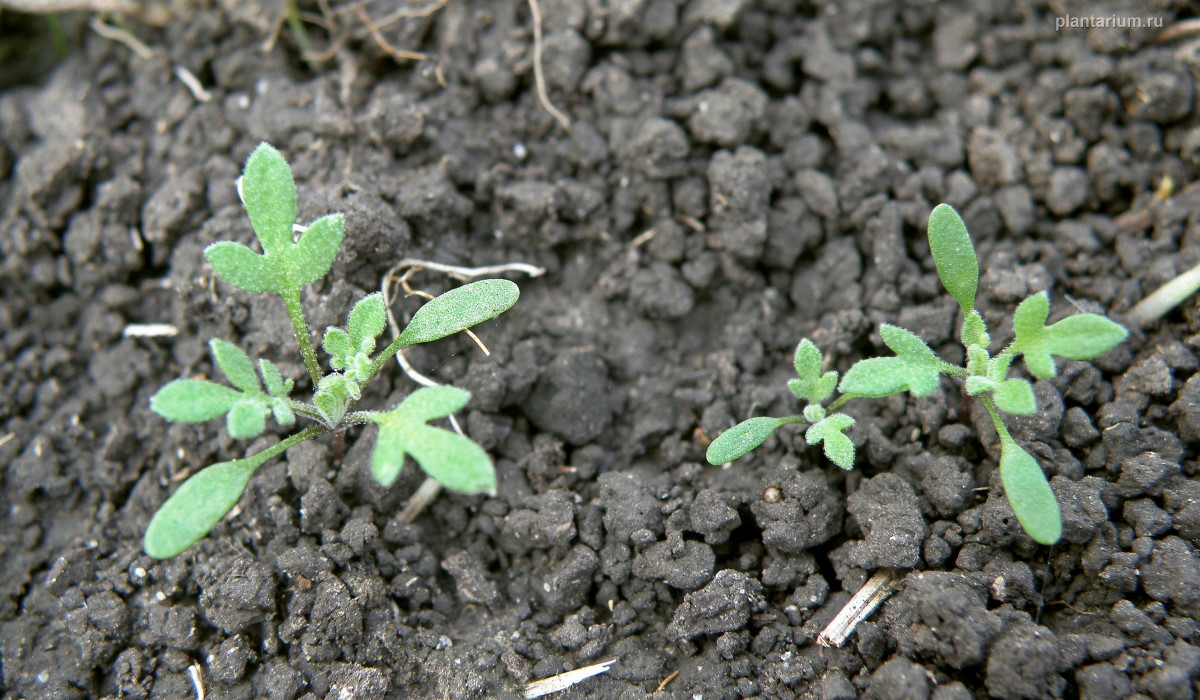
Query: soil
{"type": "Point", "coordinates": [737, 175]}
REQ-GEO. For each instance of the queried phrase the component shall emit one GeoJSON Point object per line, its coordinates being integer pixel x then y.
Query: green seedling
{"type": "Point", "coordinates": [258, 392]}
{"type": "Point", "coordinates": [915, 368]}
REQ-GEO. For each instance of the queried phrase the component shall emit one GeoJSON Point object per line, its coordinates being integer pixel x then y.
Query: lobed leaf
{"type": "Point", "coordinates": [242, 267]}
{"type": "Point", "coordinates": [269, 195]}
{"type": "Point", "coordinates": [192, 511]}
{"type": "Point", "coordinates": [276, 386]}
{"type": "Point", "coordinates": [811, 385]}
{"type": "Point", "coordinates": [447, 457]}
{"type": "Point", "coordinates": [1029, 493]}
{"type": "Point", "coordinates": [459, 308]}
{"type": "Point", "coordinates": [915, 368]}
{"type": "Point", "coordinates": [248, 417]}
{"type": "Point", "coordinates": [236, 365]}
{"type": "Point", "coordinates": [741, 439]}
{"type": "Point", "coordinates": [1078, 337]}
{"type": "Point", "coordinates": [367, 320]}
{"type": "Point", "coordinates": [337, 344]}
{"type": "Point", "coordinates": [308, 260]}
{"type": "Point", "coordinates": [193, 400]}
{"type": "Point", "coordinates": [838, 447]}
{"type": "Point", "coordinates": [954, 255]}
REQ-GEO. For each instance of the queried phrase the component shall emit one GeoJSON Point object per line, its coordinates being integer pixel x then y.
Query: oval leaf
{"type": "Point", "coordinates": [337, 344]}
{"type": "Point", "coordinates": [192, 511]}
{"type": "Point", "coordinates": [367, 321]}
{"type": "Point", "coordinates": [1084, 336]}
{"type": "Point", "coordinates": [388, 458]}
{"type": "Point", "coordinates": [741, 439]}
{"type": "Point", "coordinates": [273, 380]}
{"type": "Point", "coordinates": [459, 308]}
{"type": "Point", "coordinates": [242, 267]}
{"type": "Point", "coordinates": [192, 400]}
{"type": "Point", "coordinates": [1029, 493]}
{"type": "Point", "coordinates": [269, 194]}
{"type": "Point", "coordinates": [452, 460]}
{"type": "Point", "coordinates": [247, 418]}
{"type": "Point", "coordinates": [954, 255]}
{"type": "Point", "coordinates": [310, 258]}
{"type": "Point", "coordinates": [428, 403]}
{"type": "Point", "coordinates": [236, 365]}
{"type": "Point", "coordinates": [1015, 396]}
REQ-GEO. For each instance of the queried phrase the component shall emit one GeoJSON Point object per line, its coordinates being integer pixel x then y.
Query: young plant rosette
{"type": "Point", "coordinates": [915, 368]}
{"type": "Point", "coordinates": [286, 265]}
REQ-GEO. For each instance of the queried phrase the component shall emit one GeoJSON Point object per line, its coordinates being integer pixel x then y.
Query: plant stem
{"type": "Point", "coordinates": [297, 27]}
{"type": "Point", "coordinates": [295, 311]}
{"type": "Point", "coordinates": [394, 347]}
{"type": "Point", "coordinates": [1165, 298]}
{"type": "Point", "coordinates": [1001, 429]}
{"type": "Point", "coordinates": [285, 443]}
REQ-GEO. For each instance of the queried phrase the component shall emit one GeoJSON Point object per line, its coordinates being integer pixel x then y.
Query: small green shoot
{"type": "Point", "coordinates": [915, 368]}
{"type": "Point", "coordinates": [284, 267]}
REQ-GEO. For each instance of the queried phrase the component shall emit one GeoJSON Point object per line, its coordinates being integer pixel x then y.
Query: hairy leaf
{"type": "Point", "coordinates": [954, 255]}
{"type": "Point", "coordinates": [310, 258]}
{"type": "Point", "coordinates": [452, 460]}
{"type": "Point", "coordinates": [236, 365]}
{"type": "Point", "coordinates": [914, 369]}
{"type": "Point", "coordinates": [248, 417]}
{"type": "Point", "coordinates": [741, 439]}
{"type": "Point", "coordinates": [192, 511]}
{"type": "Point", "coordinates": [811, 385]}
{"type": "Point", "coordinates": [1029, 493]}
{"type": "Point", "coordinates": [269, 194]}
{"type": "Point", "coordinates": [367, 321]}
{"type": "Point", "coordinates": [1015, 396]}
{"type": "Point", "coordinates": [242, 267]}
{"type": "Point", "coordinates": [276, 386]}
{"type": "Point", "coordinates": [337, 344]}
{"type": "Point", "coordinates": [193, 400]}
{"type": "Point", "coordinates": [838, 447]}
{"type": "Point", "coordinates": [974, 331]}
{"type": "Point", "coordinates": [1078, 337]}
{"type": "Point", "coordinates": [459, 308]}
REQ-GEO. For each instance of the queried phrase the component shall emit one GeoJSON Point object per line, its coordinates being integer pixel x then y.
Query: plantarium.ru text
{"type": "Point", "coordinates": [284, 267]}
{"type": "Point", "coordinates": [916, 369]}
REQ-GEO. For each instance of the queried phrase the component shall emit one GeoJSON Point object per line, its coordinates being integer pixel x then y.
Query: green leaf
{"type": "Point", "coordinates": [282, 411]}
{"type": "Point", "coordinates": [236, 365]}
{"type": "Point", "coordinates": [192, 511]}
{"type": "Point", "coordinates": [974, 331]}
{"type": "Point", "coordinates": [367, 321]}
{"type": "Point", "coordinates": [451, 459]}
{"type": "Point", "coordinates": [269, 194]}
{"type": "Point", "coordinates": [1079, 337]}
{"type": "Point", "coordinates": [309, 259]}
{"type": "Point", "coordinates": [459, 308]}
{"type": "Point", "coordinates": [954, 255]}
{"type": "Point", "coordinates": [388, 458]}
{"type": "Point", "coordinates": [273, 380]}
{"type": "Point", "coordinates": [1015, 396]}
{"type": "Point", "coordinates": [811, 385]}
{"type": "Point", "coordinates": [1029, 493]}
{"type": "Point", "coordinates": [915, 368]}
{"type": "Point", "coordinates": [247, 418]}
{"type": "Point", "coordinates": [193, 400]}
{"type": "Point", "coordinates": [741, 439]}
{"type": "Point", "coordinates": [242, 267]}
{"type": "Point", "coordinates": [337, 344]}
{"type": "Point", "coordinates": [428, 403]}
{"type": "Point", "coordinates": [838, 447]}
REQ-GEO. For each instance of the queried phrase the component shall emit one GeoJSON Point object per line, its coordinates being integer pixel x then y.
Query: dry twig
{"type": "Point", "coordinates": [539, 77]}
{"type": "Point", "coordinates": [859, 607]}
{"type": "Point", "coordinates": [562, 681]}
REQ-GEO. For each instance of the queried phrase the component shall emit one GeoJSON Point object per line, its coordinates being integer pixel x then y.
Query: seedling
{"type": "Point", "coordinates": [916, 369]}
{"type": "Point", "coordinates": [284, 267]}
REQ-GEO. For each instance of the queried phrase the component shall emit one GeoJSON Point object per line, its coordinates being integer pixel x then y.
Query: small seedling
{"type": "Point", "coordinates": [284, 267]}
{"type": "Point", "coordinates": [916, 369]}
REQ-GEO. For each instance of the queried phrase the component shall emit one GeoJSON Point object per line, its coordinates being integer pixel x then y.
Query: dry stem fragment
{"type": "Point", "coordinates": [859, 607]}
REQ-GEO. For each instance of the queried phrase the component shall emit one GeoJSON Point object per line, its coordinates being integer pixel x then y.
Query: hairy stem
{"type": "Point", "coordinates": [295, 311]}
{"type": "Point", "coordinates": [285, 443]}
{"type": "Point", "coordinates": [394, 347]}
{"type": "Point", "coordinates": [1001, 430]}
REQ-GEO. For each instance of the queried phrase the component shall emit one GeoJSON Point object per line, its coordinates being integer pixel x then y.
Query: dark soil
{"type": "Point", "coordinates": [737, 175]}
